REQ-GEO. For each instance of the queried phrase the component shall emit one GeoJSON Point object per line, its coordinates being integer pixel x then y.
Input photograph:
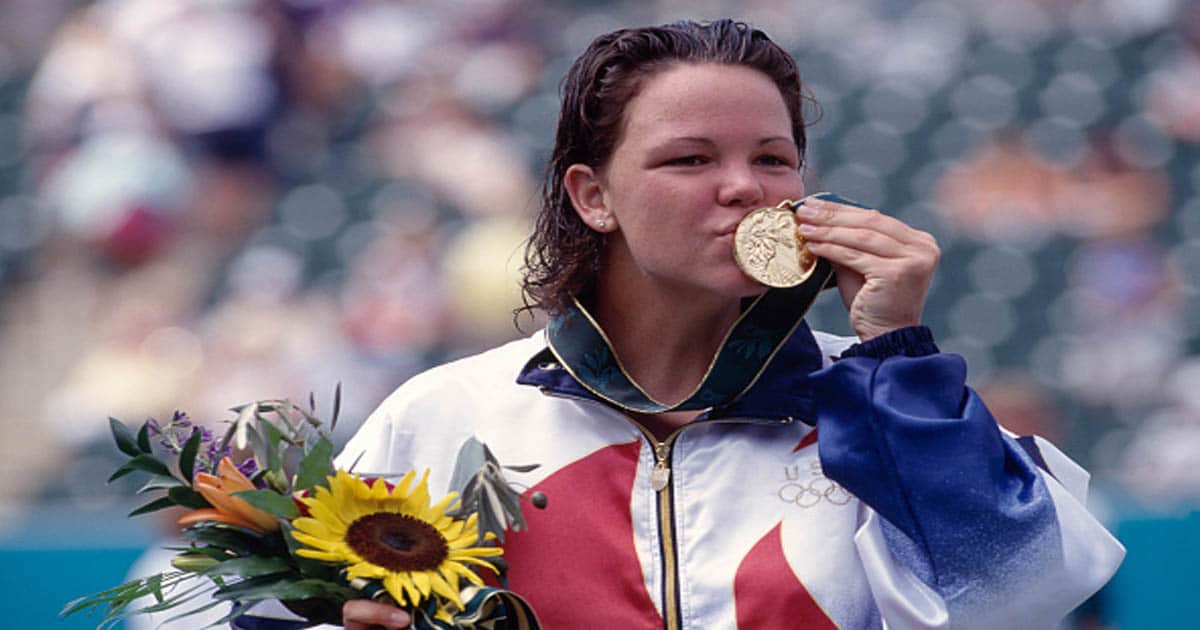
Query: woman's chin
{"type": "Point", "coordinates": [746, 287]}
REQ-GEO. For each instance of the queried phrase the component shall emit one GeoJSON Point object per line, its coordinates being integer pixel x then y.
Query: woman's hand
{"type": "Point", "coordinates": [364, 614]}
{"type": "Point", "coordinates": [883, 266]}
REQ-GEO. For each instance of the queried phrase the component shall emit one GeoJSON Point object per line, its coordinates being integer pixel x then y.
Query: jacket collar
{"type": "Point", "coordinates": [760, 370]}
{"type": "Point", "coordinates": [783, 390]}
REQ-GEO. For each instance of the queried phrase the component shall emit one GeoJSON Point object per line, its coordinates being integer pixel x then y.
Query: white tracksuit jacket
{"type": "Point", "coordinates": [912, 509]}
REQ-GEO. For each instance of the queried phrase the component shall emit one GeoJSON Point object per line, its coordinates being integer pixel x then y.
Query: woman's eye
{"type": "Point", "coordinates": [774, 160]}
{"type": "Point", "coordinates": [687, 160]}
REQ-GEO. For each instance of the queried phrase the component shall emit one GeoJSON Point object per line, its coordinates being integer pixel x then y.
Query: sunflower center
{"type": "Point", "coordinates": [397, 542]}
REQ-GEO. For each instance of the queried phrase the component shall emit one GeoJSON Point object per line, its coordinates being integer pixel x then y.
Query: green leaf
{"type": "Point", "coordinates": [154, 583]}
{"type": "Point", "coordinates": [211, 604]}
{"type": "Point", "coordinates": [124, 437]}
{"type": "Point", "coordinates": [251, 566]}
{"type": "Point", "coordinates": [213, 552]}
{"type": "Point", "coordinates": [187, 497]}
{"type": "Point", "coordinates": [113, 601]}
{"type": "Point", "coordinates": [187, 456]}
{"type": "Point", "coordinates": [144, 463]}
{"type": "Point", "coordinates": [258, 589]}
{"type": "Point", "coordinates": [159, 483]}
{"type": "Point", "coordinates": [270, 502]}
{"type": "Point", "coordinates": [274, 445]}
{"type": "Point", "coordinates": [337, 406]}
{"type": "Point", "coordinates": [202, 587]}
{"type": "Point", "coordinates": [316, 465]}
{"type": "Point", "coordinates": [235, 540]}
{"type": "Point", "coordinates": [143, 438]}
{"type": "Point", "coordinates": [154, 506]}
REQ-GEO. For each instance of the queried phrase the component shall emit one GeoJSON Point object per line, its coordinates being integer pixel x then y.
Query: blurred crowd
{"type": "Point", "coordinates": [207, 202]}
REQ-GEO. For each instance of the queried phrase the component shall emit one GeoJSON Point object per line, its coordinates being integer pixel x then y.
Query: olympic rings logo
{"type": "Point", "coordinates": [810, 494]}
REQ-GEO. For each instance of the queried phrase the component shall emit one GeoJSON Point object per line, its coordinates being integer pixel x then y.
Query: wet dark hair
{"type": "Point", "coordinates": [563, 254]}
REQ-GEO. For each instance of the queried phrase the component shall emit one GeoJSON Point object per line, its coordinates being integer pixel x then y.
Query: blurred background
{"type": "Point", "coordinates": [207, 202]}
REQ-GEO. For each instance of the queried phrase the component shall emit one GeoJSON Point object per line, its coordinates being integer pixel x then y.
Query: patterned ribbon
{"type": "Point", "coordinates": [485, 608]}
{"type": "Point", "coordinates": [582, 348]}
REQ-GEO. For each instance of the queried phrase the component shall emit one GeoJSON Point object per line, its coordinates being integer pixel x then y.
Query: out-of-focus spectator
{"type": "Point", "coordinates": [205, 202]}
{"type": "Point", "coordinates": [1024, 406]}
{"type": "Point", "coordinates": [1003, 191]}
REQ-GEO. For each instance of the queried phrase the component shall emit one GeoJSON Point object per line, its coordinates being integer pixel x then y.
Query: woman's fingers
{"type": "Point", "coordinates": [867, 241]}
{"type": "Point", "coordinates": [884, 266]}
{"type": "Point", "coordinates": [906, 274]}
{"type": "Point", "coordinates": [819, 212]}
{"type": "Point", "coordinates": [364, 614]}
{"type": "Point", "coordinates": [862, 239]}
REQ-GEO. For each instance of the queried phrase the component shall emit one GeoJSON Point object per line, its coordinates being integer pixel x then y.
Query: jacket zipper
{"type": "Point", "coordinates": [660, 480]}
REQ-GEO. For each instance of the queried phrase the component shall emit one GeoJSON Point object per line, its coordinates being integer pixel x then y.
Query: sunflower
{"type": "Point", "coordinates": [393, 535]}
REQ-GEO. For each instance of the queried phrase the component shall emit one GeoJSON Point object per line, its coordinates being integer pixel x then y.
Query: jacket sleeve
{"type": "Point", "coordinates": [960, 526]}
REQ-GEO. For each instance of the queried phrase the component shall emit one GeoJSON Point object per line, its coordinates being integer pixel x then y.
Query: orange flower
{"type": "Point", "coordinates": [226, 508]}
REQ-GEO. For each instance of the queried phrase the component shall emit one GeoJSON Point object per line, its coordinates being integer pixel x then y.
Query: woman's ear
{"type": "Point", "coordinates": [586, 191]}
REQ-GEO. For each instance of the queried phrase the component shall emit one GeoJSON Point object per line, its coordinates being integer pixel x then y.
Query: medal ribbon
{"type": "Point", "coordinates": [582, 348]}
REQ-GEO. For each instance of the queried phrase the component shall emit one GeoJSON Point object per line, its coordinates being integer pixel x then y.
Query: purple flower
{"type": "Point", "coordinates": [248, 467]}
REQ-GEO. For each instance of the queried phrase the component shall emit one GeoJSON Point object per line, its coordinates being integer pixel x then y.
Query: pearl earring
{"type": "Point", "coordinates": [601, 223]}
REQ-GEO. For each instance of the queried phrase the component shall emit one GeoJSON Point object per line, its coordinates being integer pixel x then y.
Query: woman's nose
{"type": "Point", "coordinates": [739, 186]}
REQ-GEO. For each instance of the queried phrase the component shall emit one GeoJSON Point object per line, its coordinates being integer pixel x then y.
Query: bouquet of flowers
{"type": "Point", "coordinates": [284, 524]}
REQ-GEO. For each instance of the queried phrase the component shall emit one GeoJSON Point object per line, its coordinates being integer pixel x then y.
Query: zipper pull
{"type": "Point", "coordinates": [661, 475]}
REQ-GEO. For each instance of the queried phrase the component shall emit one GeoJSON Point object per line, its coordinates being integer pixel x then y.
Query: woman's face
{"type": "Point", "coordinates": [701, 146]}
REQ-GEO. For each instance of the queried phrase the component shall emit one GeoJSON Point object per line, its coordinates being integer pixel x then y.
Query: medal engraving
{"type": "Point", "coordinates": [768, 249]}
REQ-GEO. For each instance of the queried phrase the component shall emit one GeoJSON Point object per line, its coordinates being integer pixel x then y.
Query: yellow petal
{"type": "Point", "coordinates": [317, 528]}
{"type": "Point", "coordinates": [463, 572]}
{"type": "Point", "coordinates": [420, 579]}
{"type": "Point", "coordinates": [444, 505]}
{"type": "Point", "coordinates": [366, 570]}
{"type": "Point", "coordinates": [404, 483]}
{"type": "Point", "coordinates": [306, 524]}
{"type": "Point", "coordinates": [420, 494]}
{"type": "Point", "coordinates": [444, 588]}
{"type": "Point", "coordinates": [401, 588]}
{"type": "Point", "coordinates": [320, 494]}
{"type": "Point", "coordinates": [379, 490]}
{"type": "Point", "coordinates": [319, 555]}
{"type": "Point", "coordinates": [322, 512]}
{"type": "Point", "coordinates": [477, 552]}
{"type": "Point", "coordinates": [315, 541]}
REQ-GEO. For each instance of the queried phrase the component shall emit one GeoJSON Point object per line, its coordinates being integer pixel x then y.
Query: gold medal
{"type": "Point", "coordinates": [768, 249]}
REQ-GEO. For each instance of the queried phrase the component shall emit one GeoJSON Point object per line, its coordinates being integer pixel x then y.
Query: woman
{"type": "Point", "coordinates": [662, 400]}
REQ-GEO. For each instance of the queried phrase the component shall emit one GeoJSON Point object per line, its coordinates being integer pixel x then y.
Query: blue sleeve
{"type": "Point", "coordinates": [907, 437]}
